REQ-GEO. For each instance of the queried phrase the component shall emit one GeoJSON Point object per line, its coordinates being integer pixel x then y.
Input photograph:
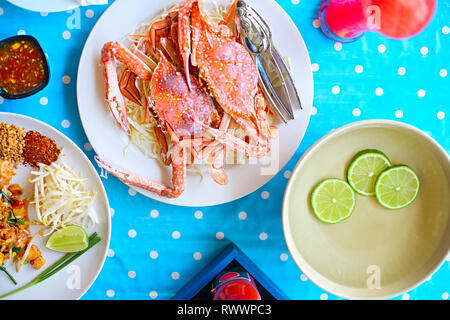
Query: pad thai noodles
{"type": "Point", "coordinates": [15, 235]}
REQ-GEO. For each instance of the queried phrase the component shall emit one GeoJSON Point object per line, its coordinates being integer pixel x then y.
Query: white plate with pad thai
{"type": "Point", "coordinates": [171, 103]}
{"type": "Point", "coordinates": [54, 214]}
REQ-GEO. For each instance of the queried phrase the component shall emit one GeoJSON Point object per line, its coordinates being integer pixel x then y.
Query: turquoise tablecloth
{"type": "Point", "coordinates": [156, 248]}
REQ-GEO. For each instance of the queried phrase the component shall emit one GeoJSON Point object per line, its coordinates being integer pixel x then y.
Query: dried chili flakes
{"type": "Point", "coordinates": [39, 149]}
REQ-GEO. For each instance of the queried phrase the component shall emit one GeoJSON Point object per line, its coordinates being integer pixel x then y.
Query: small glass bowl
{"type": "Point", "coordinates": [44, 82]}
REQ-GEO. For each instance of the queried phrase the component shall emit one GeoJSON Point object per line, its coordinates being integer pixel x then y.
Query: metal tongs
{"type": "Point", "coordinates": [275, 80]}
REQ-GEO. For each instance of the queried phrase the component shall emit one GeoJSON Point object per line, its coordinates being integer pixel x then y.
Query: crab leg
{"type": "Point", "coordinates": [164, 26]}
{"type": "Point", "coordinates": [170, 49]}
{"type": "Point", "coordinates": [114, 97]}
{"type": "Point", "coordinates": [213, 151]}
{"type": "Point", "coordinates": [203, 151]}
{"type": "Point", "coordinates": [144, 58]}
{"type": "Point", "coordinates": [159, 26]}
{"type": "Point", "coordinates": [217, 156]}
{"type": "Point", "coordinates": [216, 159]}
{"type": "Point", "coordinates": [128, 58]}
{"type": "Point", "coordinates": [162, 142]}
{"type": "Point", "coordinates": [113, 94]}
{"type": "Point", "coordinates": [235, 143]}
{"type": "Point", "coordinates": [209, 146]}
{"type": "Point", "coordinates": [127, 85]}
{"type": "Point", "coordinates": [215, 27]}
{"type": "Point", "coordinates": [178, 177]}
{"type": "Point", "coordinates": [230, 14]}
{"type": "Point", "coordinates": [184, 36]}
{"type": "Point", "coordinates": [261, 115]}
{"type": "Point", "coordinates": [215, 166]}
{"type": "Point", "coordinates": [178, 173]}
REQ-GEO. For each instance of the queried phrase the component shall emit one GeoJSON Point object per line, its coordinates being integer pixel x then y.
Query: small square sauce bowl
{"type": "Point", "coordinates": [24, 68]}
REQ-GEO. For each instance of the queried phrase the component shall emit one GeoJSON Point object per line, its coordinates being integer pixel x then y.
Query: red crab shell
{"type": "Point", "coordinates": [226, 66]}
{"type": "Point", "coordinates": [175, 105]}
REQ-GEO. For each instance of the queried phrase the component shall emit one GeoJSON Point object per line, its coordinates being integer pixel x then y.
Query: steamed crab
{"type": "Point", "coordinates": [188, 60]}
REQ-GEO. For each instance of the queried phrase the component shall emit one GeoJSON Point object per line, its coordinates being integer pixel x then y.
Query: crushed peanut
{"type": "Point", "coordinates": [12, 141]}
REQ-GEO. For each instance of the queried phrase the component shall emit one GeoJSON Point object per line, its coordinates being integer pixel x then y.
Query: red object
{"type": "Point", "coordinates": [404, 18]}
{"type": "Point", "coordinates": [235, 285]}
{"type": "Point", "coordinates": [39, 149]}
{"type": "Point", "coordinates": [398, 19]}
{"type": "Point", "coordinates": [17, 203]}
{"type": "Point", "coordinates": [346, 18]}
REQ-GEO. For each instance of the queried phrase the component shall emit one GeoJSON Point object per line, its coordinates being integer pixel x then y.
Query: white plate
{"type": "Point", "coordinates": [46, 5]}
{"type": "Point", "coordinates": [64, 284]}
{"type": "Point", "coordinates": [109, 141]}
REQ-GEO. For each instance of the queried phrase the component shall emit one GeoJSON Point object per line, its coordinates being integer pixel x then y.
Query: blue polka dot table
{"type": "Point", "coordinates": [156, 248]}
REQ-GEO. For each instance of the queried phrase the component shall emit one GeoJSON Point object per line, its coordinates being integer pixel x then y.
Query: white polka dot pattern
{"type": "Point", "coordinates": [220, 235]}
{"type": "Point", "coordinates": [154, 213]}
{"type": "Point", "coordinates": [336, 89]}
{"type": "Point", "coordinates": [66, 35]}
{"type": "Point", "coordinates": [154, 255]}
{"type": "Point", "coordinates": [43, 101]}
{"type": "Point", "coordinates": [154, 247]}
{"type": "Point", "coordinates": [176, 235]}
{"type": "Point", "coordinates": [198, 214]}
{"type": "Point", "coordinates": [132, 233]}
{"type": "Point", "coordinates": [65, 124]}
{"type": "Point", "coordinates": [382, 48]}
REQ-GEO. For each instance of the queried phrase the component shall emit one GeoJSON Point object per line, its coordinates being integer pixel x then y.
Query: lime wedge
{"type": "Point", "coordinates": [397, 187]}
{"type": "Point", "coordinates": [364, 170]}
{"type": "Point", "coordinates": [333, 200]}
{"type": "Point", "coordinates": [68, 239]}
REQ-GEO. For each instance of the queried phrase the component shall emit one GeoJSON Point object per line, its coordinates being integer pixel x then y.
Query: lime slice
{"type": "Point", "coordinates": [364, 170]}
{"type": "Point", "coordinates": [397, 187]}
{"type": "Point", "coordinates": [333, 200]}
{"type": "Point", "coordinates": [68, 239]}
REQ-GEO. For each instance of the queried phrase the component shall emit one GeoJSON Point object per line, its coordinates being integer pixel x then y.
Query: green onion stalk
{"type": "Point", "coordinates": [2, 268]}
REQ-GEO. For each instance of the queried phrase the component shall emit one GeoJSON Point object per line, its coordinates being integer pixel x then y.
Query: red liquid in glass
{"type": "Point", "coordinates": [237, 290]}
{"type": "Point", "coordinates": [235, 284]}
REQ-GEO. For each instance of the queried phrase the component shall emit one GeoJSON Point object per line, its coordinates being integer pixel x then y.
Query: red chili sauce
{"type": "Point", "coordinates": [21, 67]}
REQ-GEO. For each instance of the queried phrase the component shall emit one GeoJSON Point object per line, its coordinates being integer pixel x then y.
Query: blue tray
{"type": "Point", "coordinates": [229, 255]}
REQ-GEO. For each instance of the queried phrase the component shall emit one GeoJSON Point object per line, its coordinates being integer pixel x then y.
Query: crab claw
{"type": "Point", "coordinates": [111, 51]}
{"type": "Point", "coordinates": [178, 178]}
{"type": "Point", "coordinates": [113, 95]}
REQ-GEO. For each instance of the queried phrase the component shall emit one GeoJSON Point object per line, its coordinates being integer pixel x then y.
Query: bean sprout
{"type": "Point", "coordinates": [61, 197]}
